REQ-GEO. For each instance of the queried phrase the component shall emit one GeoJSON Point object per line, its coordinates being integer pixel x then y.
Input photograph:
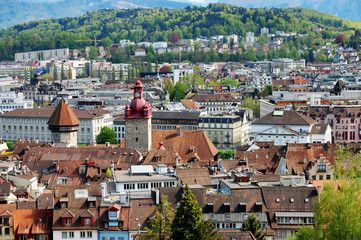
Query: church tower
{"type": "Point", "coordinates": [138, 126]}
{"type": "Point", "coordinates": [64, 124]}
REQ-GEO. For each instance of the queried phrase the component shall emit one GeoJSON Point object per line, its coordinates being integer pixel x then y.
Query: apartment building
{"type": "Point", "coordinates": [12, 100]}
{"type": "Point", "coordinates": [32, 124]}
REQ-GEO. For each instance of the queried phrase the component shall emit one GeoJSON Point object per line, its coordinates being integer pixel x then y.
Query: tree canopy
{"type": "Point", "coordinates": [255, 227]}
{"type": "Point", "coordinates": [188, 217]}
{"type": "Point", "coordinates": [106, 135]}
{"type": "Point", "coordinates": [160, 224]}
{"type": "Point", "coordinates": [338, 209]}
{"type": "Point", "coordinates": [178, 91]}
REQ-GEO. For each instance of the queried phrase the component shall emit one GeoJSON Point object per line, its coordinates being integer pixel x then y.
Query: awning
{"type": "Point", "coordinates": [294, 214]}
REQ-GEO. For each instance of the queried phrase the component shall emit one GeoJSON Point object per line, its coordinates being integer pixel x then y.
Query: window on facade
{"type": "Point", "coordinates": [142, 185]}
{"type": "Point", "coordinates": [82, 234]}
{"type": "Point", "coordinates": [321, 168]}
{"type": "Point", "coordinates": [129, 186]}
{"type": "Point", "coordinates": [7, 231]}
{"type": "Point", "coordinates": [89, 234]}
{"type": "Point", "coordinates": [86, 221]}
{"type": "Point", "coordinates": [112, 214]}
{"type": "Point", "coordinates": [68, 221]}
{"type": "Point", "coordinates": [328, 177]}
{"type": "Point", "coordinates": [71, 234]}
{"type": "Point", "coordinates": [64, 235]}
{"type": "Point", "coordinates": [6, 221]}
{"type": "Point", "coordinates": [321, 177]}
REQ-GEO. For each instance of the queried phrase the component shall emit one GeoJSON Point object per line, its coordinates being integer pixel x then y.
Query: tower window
{"type": "Point", "coordinates": [136, 139]}
{"type": "Point", "coordinates": [136, 128]}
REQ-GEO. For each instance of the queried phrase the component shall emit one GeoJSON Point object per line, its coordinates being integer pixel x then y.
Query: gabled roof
{"type": "Point", "coordinates": [63, 115]}
{"type": "Point", "coordinates": [189, 145]}
{"type": "Point", "coordinates": [115, 206]}
{"type": "Point", "coordinates": [214, 98]}
{"type": "Point", "coordinates": [68, 214]}
{"type": "Point", "coordinates": [286, 118]}
{"type": "Point", "coordinates": [87, 214]}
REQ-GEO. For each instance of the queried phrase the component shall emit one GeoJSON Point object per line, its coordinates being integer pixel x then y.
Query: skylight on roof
{"type": "Point", "coordinates": [278, 113]}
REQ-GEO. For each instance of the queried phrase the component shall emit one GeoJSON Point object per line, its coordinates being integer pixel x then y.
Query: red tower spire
{"type": "Point", "coordinates": [138, 108]}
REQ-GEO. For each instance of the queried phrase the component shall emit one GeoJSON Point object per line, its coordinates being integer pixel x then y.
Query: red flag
{"type": "Point", "coordinates": [36, 64]}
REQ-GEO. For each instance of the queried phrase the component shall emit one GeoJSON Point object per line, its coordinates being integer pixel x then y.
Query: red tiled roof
{"type": "Point", "coordinates": [287, 118]}
{"type": "Point", "coordinates": [194, 176]}
{"type": "Point", "coordinates": [63, 115]}
{"type": "Point", "coordinates": [189, 145]}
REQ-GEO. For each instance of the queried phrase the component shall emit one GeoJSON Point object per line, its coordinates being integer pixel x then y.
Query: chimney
{"type": "Point", "coordinates": [178, 128]}
{"type": "Point", "coordinates": [104, 189]}
{"type": "Point", "coordinates": [56, 191]}
{"type": "Point", "coordinates": [112, 167]}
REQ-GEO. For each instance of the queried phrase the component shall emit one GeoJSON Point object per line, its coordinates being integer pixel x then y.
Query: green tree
{"type": "Point", "coordinates": [161, 222]}
{"type": "Point", "coordinates": [91, 71]}
{"type": "Point", "coordinates": [47, 77]}
{"type": "Point", "coordinates": [338, 208]}
{"type": "Point", "coordinates": [108, 173]}
{"type": "Point", "coordinates": [70, 73]}
{"type": "Point", "coordinates": [255, 227]}
{"type": "Point", "coordinates": [149, 67]}
{"type": "Point", "coordinates": [250, 103]}
{"type": "Point", "coordinates": [121, 74]}
{"type": "Point", "coordinates": [83, 73]}
{"type": "Point", "coordinates": [178, 91]}
{"type": "Point", "coordinates": [169, 86]}
{"type": "Point", "coordinates": [93, 53]}
{"type": "Point", "coordinates": [207, 231]}
{"type": "Point", "coordinates": [31, 73]}
{"type": "Point", "coordinates": [10, 145]}
{"type": "Point", "coordinates": [267, 91]}
{"type": "Point", "coordinates": [113, 73]}
{"type": "Point", "coordinates": [156, 66]}
{"type": "Point", "coordinates": [106, 135]}
{"type": "Point", "coordinates": [55, 72]}
{"type": "Point", "coordinates": [100, 76]}
{"type": "Point", "coordinates": [107, 42]}
{"type": "Point", "coordinates": [192, 80]}
{"type": "Point", "coordinates": [26, 75]}
{"type": "Point", "coordinates": [62, 72]}
{"type": "Point", "coordinates": [188, 218]}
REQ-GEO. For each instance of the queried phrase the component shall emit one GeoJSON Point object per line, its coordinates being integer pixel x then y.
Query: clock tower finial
{"type": "Point", "coordinates": [138, 108]}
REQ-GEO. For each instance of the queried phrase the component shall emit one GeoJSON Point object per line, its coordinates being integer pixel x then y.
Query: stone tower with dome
{"type": "Point", "coordinates": [138, 126]}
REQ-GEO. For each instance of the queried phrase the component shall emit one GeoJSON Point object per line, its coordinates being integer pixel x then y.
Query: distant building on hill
{"type": "Point", "coordinates": [62, 53]}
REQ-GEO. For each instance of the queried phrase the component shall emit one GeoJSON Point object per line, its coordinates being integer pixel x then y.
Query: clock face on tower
{"type": "Point", "coordinates": [137, 95]}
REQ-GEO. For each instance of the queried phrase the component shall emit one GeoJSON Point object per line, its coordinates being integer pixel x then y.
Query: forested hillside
{"type": "Point", "coordinates": [157, 24]}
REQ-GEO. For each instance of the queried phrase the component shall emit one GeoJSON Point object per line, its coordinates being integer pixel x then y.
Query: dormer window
{"type": "Point", "coordinates": [112, 214]}
{"type": "Point", "coordinates": [87, 217]}
{"type": "Point", "coordinates": [67, 218]}
{"type": "Point", "coordinates": [63, 202]}
{"type": "Point", "coordinates": [92, 202]}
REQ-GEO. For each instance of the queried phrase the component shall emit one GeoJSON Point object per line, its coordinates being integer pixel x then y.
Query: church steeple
{"type": "Point", "coordinates": [64, 124]}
